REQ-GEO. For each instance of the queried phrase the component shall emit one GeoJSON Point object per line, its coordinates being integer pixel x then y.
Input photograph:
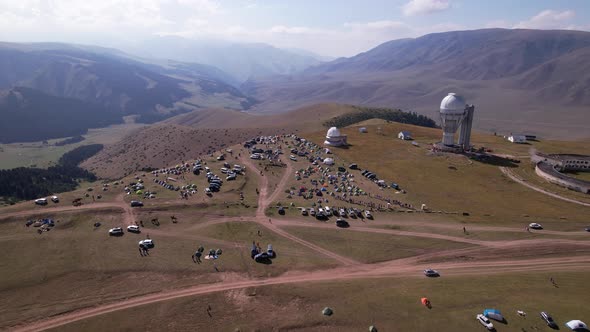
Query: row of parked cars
{"type": "Point", "coordinates": [325, 212]}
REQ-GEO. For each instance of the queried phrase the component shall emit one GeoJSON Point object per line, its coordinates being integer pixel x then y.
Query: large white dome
{"type": "Point", "coordinates": [452, 103]}
{"type": "Point", "coordinates": [333, 132]}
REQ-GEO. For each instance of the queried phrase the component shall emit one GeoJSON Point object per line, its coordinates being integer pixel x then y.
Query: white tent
{"type": "Point", "coordinates": [329, 161]}
{"type": "Point", "coordinates": [576, 325]}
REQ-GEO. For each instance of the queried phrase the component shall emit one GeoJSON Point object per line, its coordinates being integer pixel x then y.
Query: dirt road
{"type": "Point", "coordinates": [509, 174]}
{"type": "Point", "coordinates": [345, 273]}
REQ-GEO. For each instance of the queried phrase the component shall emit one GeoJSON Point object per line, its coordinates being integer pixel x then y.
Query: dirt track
{"type": "Point", "coordinates": [350, 269]}
{"type": "Point", "coordinates": [509, 174]}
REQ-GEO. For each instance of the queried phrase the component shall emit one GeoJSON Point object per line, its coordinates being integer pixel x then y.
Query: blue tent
{"type": "Point", "coordinates": [494, 314]}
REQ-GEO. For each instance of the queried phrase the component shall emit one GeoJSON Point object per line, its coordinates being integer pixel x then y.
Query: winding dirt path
{"type": "Point", "coordinates": [513, 177]}
{"type": "Point", "coordinates": [344, 273]}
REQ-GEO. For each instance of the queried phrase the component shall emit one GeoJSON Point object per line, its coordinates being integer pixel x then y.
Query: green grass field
{"type": "Point", "coordinates": [390, 304]}
{"type": "Point", "coordinates": [371, 247]}
{"type": "Point", "coordinates": [290, 255]}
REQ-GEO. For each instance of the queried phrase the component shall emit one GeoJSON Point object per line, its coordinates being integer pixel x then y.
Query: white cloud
{"type": "Point", "coordinates": [419, 7]}
{"type": "Point", "coordinates": [549, 19]}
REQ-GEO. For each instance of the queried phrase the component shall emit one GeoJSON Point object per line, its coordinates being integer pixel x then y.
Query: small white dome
{"type": "Point", "coordinates": [452, 103]}
{"type": "Point", "coordinates": [333, 132]}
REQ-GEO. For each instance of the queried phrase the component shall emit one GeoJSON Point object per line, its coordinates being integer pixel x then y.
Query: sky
{"type": "Point", "coordinates": [326, 27]}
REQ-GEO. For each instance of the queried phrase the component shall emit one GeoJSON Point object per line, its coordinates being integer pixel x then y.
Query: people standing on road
{"type": "Point", "coordinates": [464, 230]}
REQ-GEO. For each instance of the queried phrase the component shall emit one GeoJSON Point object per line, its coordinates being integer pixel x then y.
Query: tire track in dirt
{"type": "Point", "coordinates": [264, 200]}
{"type": "Point", "coordinates": [514, 178]}
{"type": "Point", "coordinates": [344, 273]}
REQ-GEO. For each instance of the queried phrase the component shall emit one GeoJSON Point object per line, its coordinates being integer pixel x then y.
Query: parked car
{"type": "Point", "coordinates": [353, 166]}
{"type": "Point", "coordinates": [548, 319]}
{"type": "Point", "coordinates": [312, 212]}
{"type": "Point", "coordinates": [136, 203]}
{"type": "Point", "coordinates": [147, 243]}
{"type": "Point", "coordinates": [485, 322]}
{"type": "Point", "coordinates": [431, 273]}
{"type": "Point", "coordinates": [341, 169]}
{"type": "Point", "coordinates": [368, 214]}
{"type": "Point", "coordinates": [281, 211]}
{"type": "Point", "coordinates": [534, 225]}
{"type": "Point", "coordinates": [587, 229]}
{"type": "Point", "coordinates": [292, 157]}
{"type": "Point", "coordinates": [117, 231]}
{"type": "Point", "coordinates": [133, 229]}
{"type": "Point", "coordinates": [55, 199]}
{"type": "Point", "coordinates": [304, 212]}
{"type": "Point", "coordinates": [342, 213]}
{"type": "Point", "coordinates": [342, 223]}
{"type": "Point", "coordinates": [41, 201]}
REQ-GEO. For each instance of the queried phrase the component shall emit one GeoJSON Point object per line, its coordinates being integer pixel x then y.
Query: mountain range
{"type": "Point", "coordinates": [243, 61]}
{"type": "Point", "coordinates": [533, 81]}
{"type": "Point", "coordinates": [519, 80]}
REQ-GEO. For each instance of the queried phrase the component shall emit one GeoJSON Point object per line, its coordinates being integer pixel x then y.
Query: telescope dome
{"type": "Point", "coordinates": [452, 103]}
{"type": "Point", "coordinates": [333, 132]}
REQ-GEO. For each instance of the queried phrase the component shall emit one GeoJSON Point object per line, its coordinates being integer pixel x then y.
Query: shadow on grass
{"type": "Point", "coordinates": [494, 160]}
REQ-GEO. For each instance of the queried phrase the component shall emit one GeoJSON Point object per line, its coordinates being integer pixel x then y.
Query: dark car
{"type": "Point", "coordinates": [353, 166]}
{"type": "Point", "coordinates": [548, 319]}
{"type": "Point", "coordinates": [341, 169]}
{"type": "Point", "coordinates": [136, 203]}
{"type": "Point", "coordinates": [342, 223]}
{"type": "Point", "coordinates": [282, 211]}
{"type": "Point", "coordinates": [587, 229]}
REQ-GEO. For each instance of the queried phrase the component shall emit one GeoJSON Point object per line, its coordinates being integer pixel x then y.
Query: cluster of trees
{"type": "Point", "coordinates": [79, 154]}
{"type": "Point", "coordinates": [30, 183]}
{"type": "Point", "coordinates": [367, 113]}
{"type": "Point", "coordinates": [71, 140]}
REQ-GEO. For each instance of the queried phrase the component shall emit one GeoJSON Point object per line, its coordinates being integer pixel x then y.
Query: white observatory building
{"type": "Point", "coordinates": [334, 138]}
{"type": "Point", "coordinates": [455, 113]}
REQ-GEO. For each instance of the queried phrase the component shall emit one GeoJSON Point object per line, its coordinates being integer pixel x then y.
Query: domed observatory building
{"type": "Point", "coordinates": [334, 138]}
{"type": "Point", "coordinates": [455, 113]}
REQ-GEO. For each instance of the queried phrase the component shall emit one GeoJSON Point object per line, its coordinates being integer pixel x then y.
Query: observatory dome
{"type": "Point", "coordinates": [452, 103]}
{"type": "Point", "coordinates": [333, 132]}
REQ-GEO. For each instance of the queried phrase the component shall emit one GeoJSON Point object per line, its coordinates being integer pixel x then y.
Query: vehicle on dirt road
{"type": "Point", "coordinates": [535, 225]}
{"type": "Point", "coordinates": [342, 223]}
{"type": "Point", "coordinates": [117, 231]}
{"type": "Point", "coordinates": [136, 203]}
{"type": "Point", "coordinates": [133, 229]}
{"type": "Point", "coordinates": [431, 273]}
{"type": "Point", "coordinates": [147, 243]}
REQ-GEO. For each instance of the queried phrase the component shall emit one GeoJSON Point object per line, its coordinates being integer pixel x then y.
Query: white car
{"type": "Point", "coordinates": [133, 229]}
{"type": "Point", "coordinates": [534, 225]}
{"type": "Point", "coordinates": [292, 157]}
{"type": "Point", "coordinates": [368, 215]}
{"type": "Point", "coordinates": [485, 322]}
{"type": "Point", "coordinates": [148, 243]}
{"type": "Point", "coordinates": [55, 199]}
{"type": "Point", "coordinates": [41, 201]}
{"type": "Point", "coordinates": [116, 231]}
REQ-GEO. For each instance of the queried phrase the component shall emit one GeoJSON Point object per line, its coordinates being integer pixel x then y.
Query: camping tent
{"type": "Point", "coordinates": [493, 314]}
{"type": "Point", "coordinates": [329, 161]}
{"type": "Point", "coordinates": [576, 325]}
